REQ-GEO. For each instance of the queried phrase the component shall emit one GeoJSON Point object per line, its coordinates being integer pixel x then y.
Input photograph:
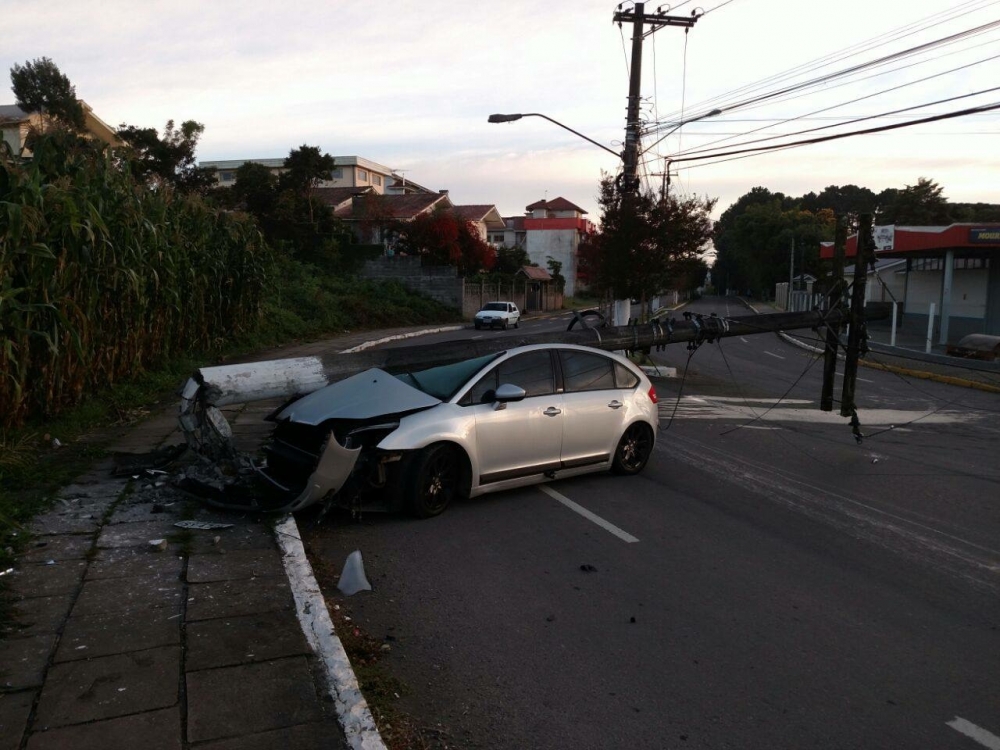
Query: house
{"type": "Point", "coordinates": [16, 124]}
{"type": "Point", "coordinates": [955, 268]}
{"type": "Point", "coordinates": [368, 213]}
{"type": "Point", "coordinates": [486, 218]}
{"type": "Point", "coordinates": [555, 229]}
{"type": "Point", "coordinates": [349, 172]}
{"type": "Point", "coordinates": [512, 235]}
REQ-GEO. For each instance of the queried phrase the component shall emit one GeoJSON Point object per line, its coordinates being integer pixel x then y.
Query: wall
{"type": "Point", "coordinates": [561, 244]}
{"type": "Point", "coordinates": [440, 283]}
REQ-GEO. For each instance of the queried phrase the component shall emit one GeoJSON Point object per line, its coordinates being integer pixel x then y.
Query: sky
{"type": "Point", "coordinates": [410, 83]}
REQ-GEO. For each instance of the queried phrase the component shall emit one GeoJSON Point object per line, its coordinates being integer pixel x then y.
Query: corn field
{"type": "Point", "coordinates": [101, 277]}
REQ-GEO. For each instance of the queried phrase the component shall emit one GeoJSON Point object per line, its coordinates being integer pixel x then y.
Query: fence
{"type": "Point", "coordinates": [801, 300]}
{"type": "Point", "coordinates": [527, 295]}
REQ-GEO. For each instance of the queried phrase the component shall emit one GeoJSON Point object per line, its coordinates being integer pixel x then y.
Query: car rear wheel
{"type": "Point", "coordinates": [633, 449]}
{"type": "Point", "coordinates": [434, 480]}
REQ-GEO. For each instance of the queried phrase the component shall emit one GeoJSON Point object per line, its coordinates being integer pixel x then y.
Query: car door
{"type": "Point", "coordinates": [518, 438]}
{"type": "Point", "coordinates": [593, 408]}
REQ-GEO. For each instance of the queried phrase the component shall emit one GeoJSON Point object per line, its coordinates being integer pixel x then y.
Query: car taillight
{"type": "Point", "coordinates": [652, 394]}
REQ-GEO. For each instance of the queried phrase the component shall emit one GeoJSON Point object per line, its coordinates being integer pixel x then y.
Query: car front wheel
{"type": "Point", "coordinates": [434, 480]}
{"type": "Point", "coordinates": [633, 449]}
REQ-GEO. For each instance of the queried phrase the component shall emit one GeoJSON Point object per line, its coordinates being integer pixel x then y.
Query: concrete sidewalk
{"type": "Point", "coordinates": [134, 632]}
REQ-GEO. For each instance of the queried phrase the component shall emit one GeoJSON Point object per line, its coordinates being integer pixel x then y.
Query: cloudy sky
{"type": "Point", "coordinates": [410, 83]}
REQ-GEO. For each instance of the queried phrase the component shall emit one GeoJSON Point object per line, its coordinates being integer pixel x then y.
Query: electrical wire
{"type": "Point", "coordinates": [680, 390]}
{"type": "Point", "coordinates": [878, 41]}
{"type": "Point", "coordinates": [710, 10]}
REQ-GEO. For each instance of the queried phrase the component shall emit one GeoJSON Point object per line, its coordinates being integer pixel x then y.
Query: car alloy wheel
{"type": "Point", "coordinates": [435, 479]}
{"type": "Point", "coordinates": [633, 449]}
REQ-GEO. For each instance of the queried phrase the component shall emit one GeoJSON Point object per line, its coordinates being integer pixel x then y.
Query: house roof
{"type": "Point", "coordinates": [534, 273]}
{"type": "Point", "coordinates": [11, 113]}
{"type": "Point", "coordinates": [486, 213]}
{"type": "Point", "coordinates": [556, 204]}
{"type": "Point", "coordinates": [397, 206]}
{"type": "Point", "coordinates": [403, 183]}
{"type": "Point", "coordinates": [334, 196]}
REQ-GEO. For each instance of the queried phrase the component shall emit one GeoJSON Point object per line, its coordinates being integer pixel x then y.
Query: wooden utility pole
{"type": "Point", "coordinates": [865, 249]}
{"type": "Point", "coordinates": [639, 20]}
{"type": "Point", "coordinates": [835, 301]}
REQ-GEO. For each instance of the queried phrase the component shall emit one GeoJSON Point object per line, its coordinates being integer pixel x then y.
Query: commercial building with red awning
{"type": "Point", "coordinates": [956, 268]}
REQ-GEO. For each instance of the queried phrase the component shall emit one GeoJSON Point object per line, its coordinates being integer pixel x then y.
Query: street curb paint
{"type": "Point", "coordinates": [399, 336]}
{"type": "Point", "coordinates": [310, 607]}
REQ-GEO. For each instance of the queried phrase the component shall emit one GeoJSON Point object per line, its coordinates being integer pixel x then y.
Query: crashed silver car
{"type": "Point", "coordinates": [418, 440]}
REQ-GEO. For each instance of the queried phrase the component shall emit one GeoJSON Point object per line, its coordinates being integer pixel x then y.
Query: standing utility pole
{"type": "Point", "coordinates": [855, 337]}
{"type": "Point", "coordinates": [835, 302]}
{"type": "Point", "coordinates": [791, 277]}
{"type": "Point", "coordinates": [639, 20]}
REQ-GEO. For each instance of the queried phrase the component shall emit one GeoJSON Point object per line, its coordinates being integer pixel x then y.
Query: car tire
{"type": "Point", "coordinates": [633, 449]}
{"type": "Point", "coordinates": [517, 323]}
{"type": "Point", "coordinates": [434, 480]}
{"type": "Point", "coordinates": [504, 326]}
{"type": "Point", "coordinates": [477, 326]}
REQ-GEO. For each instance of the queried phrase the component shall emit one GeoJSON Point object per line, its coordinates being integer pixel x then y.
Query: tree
{"type": "Point", "coordinates": [922, 204]}
{"type": "Point", "coordinates": [555, 271]}
{"type": "Point", "coordinates": [305, 168]}
{"type": "Point", "coordinates": [510, 260]}
{"type": "Point", "coordinates": [645, 243]}
{"type": "Point", "coordinates": [39, 86]}
{"type": "Point", "coordinates": [169, 160]}
{"type": "Point", "coordinates": [447, 240]}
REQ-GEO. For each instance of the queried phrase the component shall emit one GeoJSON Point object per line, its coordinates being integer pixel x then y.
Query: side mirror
{"type": "Point", "coordinates": [508, 392]}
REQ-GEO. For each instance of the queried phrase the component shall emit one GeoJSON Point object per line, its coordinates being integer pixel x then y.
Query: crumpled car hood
{"type": "Point", "coordinates": [372, 393]}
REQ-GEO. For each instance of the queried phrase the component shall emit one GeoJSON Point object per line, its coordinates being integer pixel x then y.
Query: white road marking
{"type": "Point", "coordinates": [310, 606]}
{"type": "Point", "coordinates": [970, 730]}
{"type": "Point", "coordinates": [606, 525]}
{"type": "Point", "coordinates": [744, 340]}
{"type": "Point", "coordinates": [477, 337]}
{"type": "Point", "coordinates": [776, 356]}
{"type": "Point", "coordinates": [840, 375]}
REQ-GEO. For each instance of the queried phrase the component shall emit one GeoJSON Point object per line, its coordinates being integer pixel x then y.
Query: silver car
{"type": "Point", "coordinates": [418, 440]}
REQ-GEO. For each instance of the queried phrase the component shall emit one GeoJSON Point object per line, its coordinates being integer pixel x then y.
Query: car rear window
{"type": "Point", "coordinates": [625, 377]}
{"type": "Point", "coordinates": [584, 371]}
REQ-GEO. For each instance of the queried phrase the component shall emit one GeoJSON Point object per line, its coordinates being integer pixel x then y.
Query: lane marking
{"type": "Point", "coordinates": [606, 525]}
{"type": "Point", "coordinates": [970, 730]}
{"type": "Point", "coordinates": [840, 375]}
{"type": "Point", "coordinates": [744, 340]}
{"type": "Point", "coordinates": [310, 606]}
{"type": "Point", "coordinates": [776, 356]}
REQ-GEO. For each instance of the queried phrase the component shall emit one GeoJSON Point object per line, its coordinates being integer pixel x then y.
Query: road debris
{"type": "Point", "coordinates": [352, 578]}
{"type": "Point", "coordinates": [202, 525]}
{"type": "Point", "coordinates": [158, 545]}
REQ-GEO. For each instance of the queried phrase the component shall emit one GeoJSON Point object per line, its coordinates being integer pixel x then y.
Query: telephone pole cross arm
{"type": "Point", "coordinates": [639, 20]}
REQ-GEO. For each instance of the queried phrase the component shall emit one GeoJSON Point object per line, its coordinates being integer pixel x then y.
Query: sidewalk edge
{"type": "Point", "coordinates": [310, 607]}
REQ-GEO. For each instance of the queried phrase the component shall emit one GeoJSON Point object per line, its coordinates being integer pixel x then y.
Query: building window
{"type": "Point", "coordinates": [362, 176]}
{"type": "Point", "coordinates": [337, 173]}
{"type": "Point", "coordinates": [377, 179]}
{"type": "Point", "coordinates": [227, 176]}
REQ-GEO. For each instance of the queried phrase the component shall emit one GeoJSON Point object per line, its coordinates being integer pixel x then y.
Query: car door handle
{"type": "Point", "coordinates": [616, 404]}
{"type": "Point", "coordinates": [552, 411]}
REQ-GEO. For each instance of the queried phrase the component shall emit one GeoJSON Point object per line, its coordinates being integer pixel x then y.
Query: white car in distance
{"type": "Point", "coordinates": [498, 314]}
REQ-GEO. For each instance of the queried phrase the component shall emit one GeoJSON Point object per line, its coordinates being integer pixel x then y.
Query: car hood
{"type": "Point", "coordinates": [490, 313]}
{"type": "Point", "coordinates": [369, 394]}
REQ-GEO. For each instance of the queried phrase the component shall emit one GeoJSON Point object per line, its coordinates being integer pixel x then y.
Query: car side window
{"type": "Point", "coordinates": [532, 371]}
{"type": "Point", "coordinates": [625, 377]}
{"type": "Point", "coordinates": [583, 371]}
{"type": "Point", "coordinates": [487, 384]}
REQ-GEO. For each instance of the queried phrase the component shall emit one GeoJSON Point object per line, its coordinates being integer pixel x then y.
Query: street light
{"type": "Point", "coordinates": [512, 118]}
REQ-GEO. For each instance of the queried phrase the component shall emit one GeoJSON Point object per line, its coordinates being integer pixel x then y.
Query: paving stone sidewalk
{"type": "Point", "coordinates": [135, 633]}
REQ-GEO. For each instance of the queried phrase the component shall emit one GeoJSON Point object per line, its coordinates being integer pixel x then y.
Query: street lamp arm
{"type": "Point", "coordinates": [681, 124]}
{"type": "Point", "coordinates": [511, 118]}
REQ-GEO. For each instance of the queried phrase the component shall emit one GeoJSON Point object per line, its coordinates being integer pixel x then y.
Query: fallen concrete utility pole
{"type": "Point", "coordinates": [208, 432]}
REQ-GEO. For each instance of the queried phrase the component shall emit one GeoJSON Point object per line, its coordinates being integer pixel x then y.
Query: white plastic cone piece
{"type": "Point", "coordinates": [352, 579]}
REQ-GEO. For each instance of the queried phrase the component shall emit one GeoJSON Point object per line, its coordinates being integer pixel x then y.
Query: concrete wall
{"type": "Point", "coordinates": [562, 245]}
{"type": "Point", "coordinates": [441, 283]}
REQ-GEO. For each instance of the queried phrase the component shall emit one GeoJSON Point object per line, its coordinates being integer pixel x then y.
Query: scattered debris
{"type": "Point", "coordinates": [202, 525]}
{"type": "Point", "coordinates": [56, 443]}
{"type": "Point", "coordinates": [631, 620]}
{"type": "Point", "coordinates": [158, 545]}
{"type": "Point", "coordinates": [216, 540]}
{"type": "Point", "coordinates": [6, 572]}
{"type": "Point", "coordinates": [588, 568]}
{"type": "Point", "coordinates": [352, 578]}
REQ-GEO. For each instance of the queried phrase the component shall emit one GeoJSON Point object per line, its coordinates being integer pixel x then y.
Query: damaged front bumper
{"type": "Point", "coordinates": [335, 466]}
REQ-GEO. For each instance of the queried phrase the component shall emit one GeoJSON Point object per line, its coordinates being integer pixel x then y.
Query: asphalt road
{"type": "Point", "coordinates": [788, 587]}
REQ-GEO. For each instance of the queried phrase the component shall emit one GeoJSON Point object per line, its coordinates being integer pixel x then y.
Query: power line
{"type": "Point", "coordinates": [822, 139]}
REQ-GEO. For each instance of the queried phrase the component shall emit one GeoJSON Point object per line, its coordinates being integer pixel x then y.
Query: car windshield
{"type": "Point", "coordinates": [501, 306]}
{"type": "Point", "coordinates": [444, 381]}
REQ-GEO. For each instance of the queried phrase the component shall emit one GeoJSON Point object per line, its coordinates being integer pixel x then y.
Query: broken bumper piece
{"type": "Point", "coordinates": [336, 463]}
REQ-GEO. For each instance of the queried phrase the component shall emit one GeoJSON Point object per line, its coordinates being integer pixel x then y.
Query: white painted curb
{"type": "Point", "coordinates": [398, 336]}
{"type": "Point", "coordinates": [310, 606]}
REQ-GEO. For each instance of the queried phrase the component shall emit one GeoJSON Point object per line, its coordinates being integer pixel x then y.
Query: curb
{"type": "Point", "coordinates": [352, 709]}
{"type": "Point", "coordinates": [920, 374]}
